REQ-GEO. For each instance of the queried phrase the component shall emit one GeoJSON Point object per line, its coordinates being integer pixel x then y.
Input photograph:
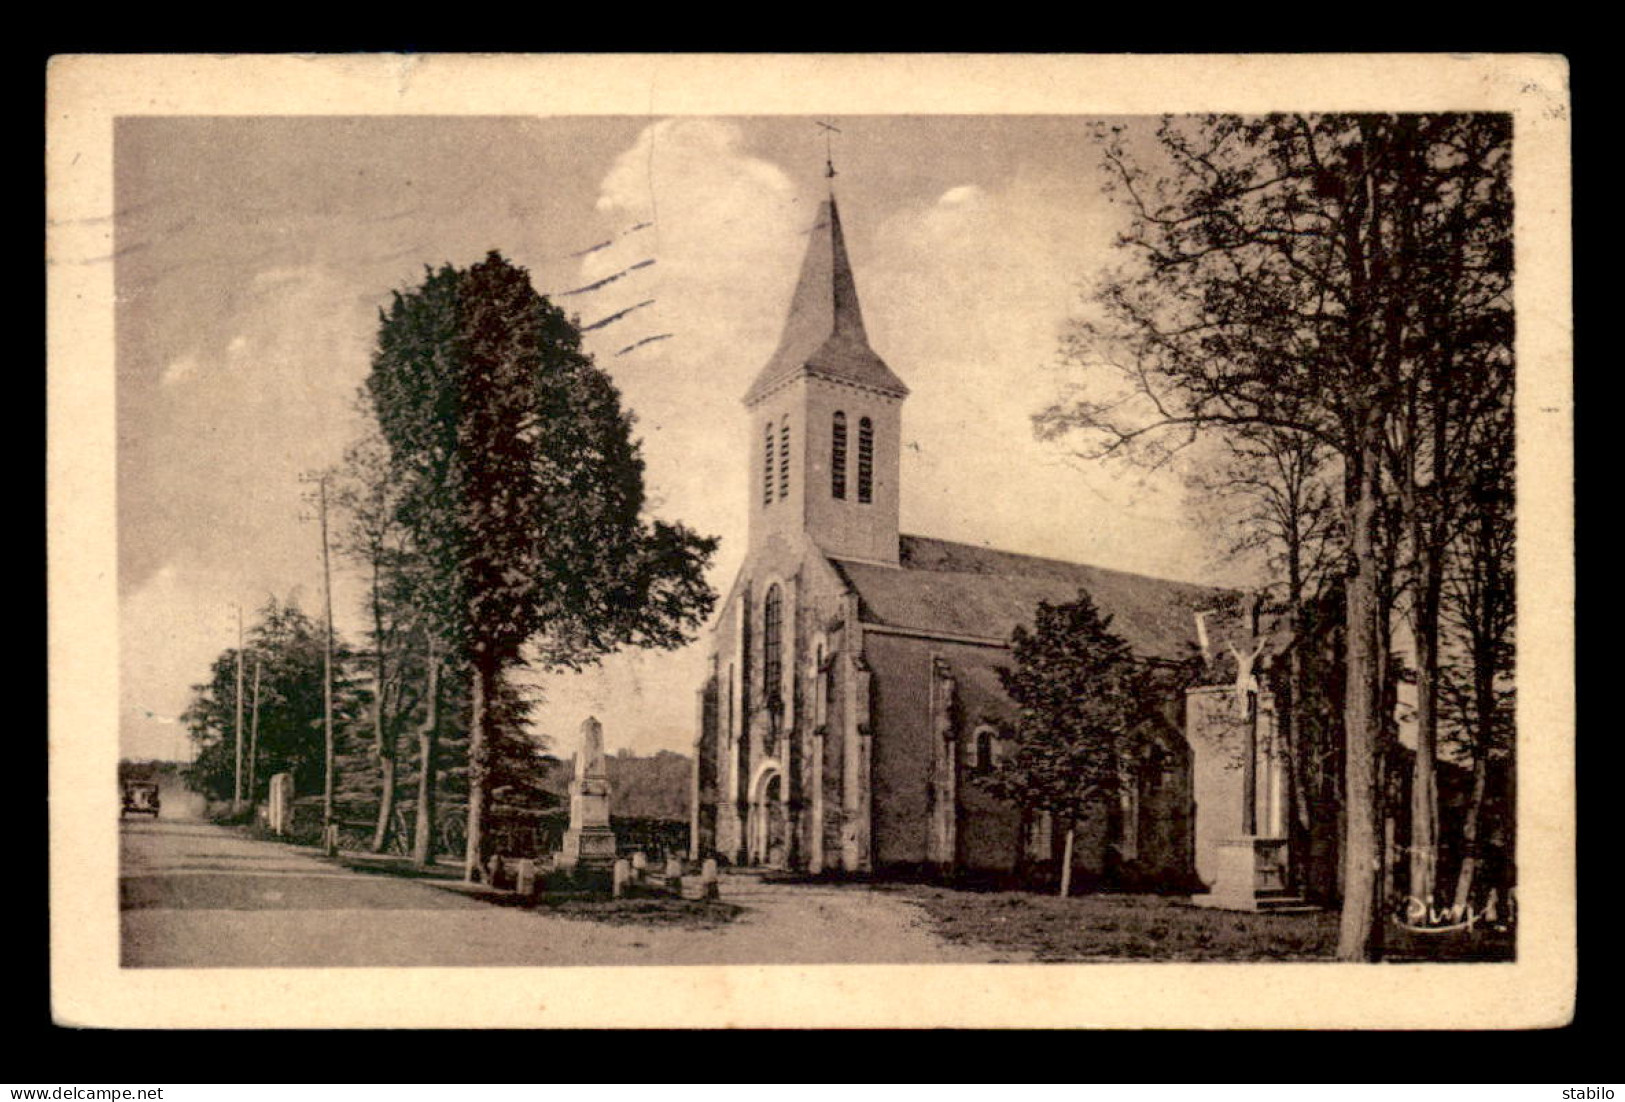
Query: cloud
{"type": "Point", "coordinates": [723, 228]}
{"type": "Point", "coordinates": [960, 196]}
{"type": "Point", "coordinates": [180, 370]}
{"type": "Point", "coordinates": [727, 240]}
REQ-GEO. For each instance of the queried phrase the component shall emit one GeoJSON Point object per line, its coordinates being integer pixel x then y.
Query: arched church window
{"type": "Point", "coordinates": [837, 456]}
{"type": "Point", "coordinates": [784, 459]}
{"type": "Point", "coordinates": [772, 642]}
{"type": "Point", "coordinates": [866, 460]}
{"type": "Point", "coordinates": [767, 467]}
{"type": "Point", "coordinates": [982, 750]}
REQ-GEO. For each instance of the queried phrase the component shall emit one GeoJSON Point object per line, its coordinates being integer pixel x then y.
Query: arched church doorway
{"type": "Point", "coordinates": [769, 828]}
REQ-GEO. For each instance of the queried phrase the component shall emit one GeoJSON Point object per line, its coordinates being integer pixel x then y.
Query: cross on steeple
{"type": "Point", "coordinates": [829, 153]}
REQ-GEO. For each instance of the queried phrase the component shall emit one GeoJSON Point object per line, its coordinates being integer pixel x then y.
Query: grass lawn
{"type": "Point", "coordinates": [1122, 927]}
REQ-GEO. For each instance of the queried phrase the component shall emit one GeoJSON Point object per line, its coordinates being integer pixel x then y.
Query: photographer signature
{"type": "Point", "coordinates": [1422, 918]}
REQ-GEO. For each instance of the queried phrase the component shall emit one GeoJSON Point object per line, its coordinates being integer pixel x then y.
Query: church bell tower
{"type": "Point", "coordinates": [825, 416]}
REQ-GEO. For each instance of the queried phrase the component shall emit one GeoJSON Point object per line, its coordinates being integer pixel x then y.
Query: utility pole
{"type": "Point", "coordinates": [254, 735]}
{"type": "Point", "coordinates": [329, 831]}
{"type": "Point", "coordinates": [237, 774]}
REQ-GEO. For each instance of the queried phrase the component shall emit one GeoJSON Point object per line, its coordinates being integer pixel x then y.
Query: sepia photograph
{"type": "Point", "coordinates": [1073, 531]}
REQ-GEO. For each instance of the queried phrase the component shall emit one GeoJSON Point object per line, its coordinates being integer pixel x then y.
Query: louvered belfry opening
{"type": "Point", "coordinates": [784, 459]}
{"type": "Point", "coordinates": [837, 457]}
{"type": "Point", "coordinates": [767, 467]}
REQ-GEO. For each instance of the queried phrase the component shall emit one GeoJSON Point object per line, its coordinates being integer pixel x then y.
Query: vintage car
{"type": "Point", "coordinates": [140, 798]}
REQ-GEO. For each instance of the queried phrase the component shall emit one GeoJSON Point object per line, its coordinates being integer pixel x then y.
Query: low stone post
{"type": "Point", "coordinates": [640, 865]}
{"type": "Point", "coordinates": [674, 875]}
{"type": "Point", "coordinates": [621, 875]}
{"type": "Point", "coordinates": [526, 884]}
{"type": "Point", "coordinates": [281, 802]}
{"type": "Point", "coordinates": [494, 870]}
{"type": "Point", "coordinates": [709, 886]}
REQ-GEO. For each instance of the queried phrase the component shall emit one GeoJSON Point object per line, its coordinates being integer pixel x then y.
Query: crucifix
{"type": "Point", "coordinates": [829, 149]}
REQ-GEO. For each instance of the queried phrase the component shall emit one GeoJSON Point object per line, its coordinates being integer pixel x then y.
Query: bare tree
{"type": "Point", "coordinates": [1281, 487]}
{"type": "Point", "coordinates": [1479, 614]}
{"type": "Point", "coordinates": [1462, 348]}
{"type": "Point", "coordinates": [1279, 278]}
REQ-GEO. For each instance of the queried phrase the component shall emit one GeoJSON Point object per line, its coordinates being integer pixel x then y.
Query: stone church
{"type": "Point", "coordinates": [851, 696]}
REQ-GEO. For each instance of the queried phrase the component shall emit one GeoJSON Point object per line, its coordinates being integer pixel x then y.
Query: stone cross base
{"type": "Point", "coordinates": [587, 846]}
{"type": "Point", "coordinates": [1250, 875]}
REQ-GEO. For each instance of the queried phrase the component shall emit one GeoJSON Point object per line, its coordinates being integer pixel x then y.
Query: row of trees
{"type": "Point", "coordinates": [1324, 302]}
{"type": "Point", "coordinates": [283, 729]}
{"type": "Point", "coordinates": [497, 509]}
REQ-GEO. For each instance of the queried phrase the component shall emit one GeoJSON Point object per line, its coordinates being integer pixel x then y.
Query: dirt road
{"type": "Point", "coordinates": [193, 895]}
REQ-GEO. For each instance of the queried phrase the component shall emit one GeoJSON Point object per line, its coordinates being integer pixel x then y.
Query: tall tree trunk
{"type": "Point", "coordinates": [1424, 841]}
{"type": "Point", "coordinates": [254, 737]}
{"type": "Point", "coordinates": [1066, 859]}
{"type": "Point", "coordinates": [382, 731]}
{"type": "Point", "coordinates": [386, 804]}
{"type": "Point", "coordinates": [1360, 929]}
{"type": "Point", "coordinates": [423, 849]}
{"type": "Point", "coordinates": [1484, 704]}
{"type": "Point", "coordinates": [1290, 728]}
{"type": "Point", "coordinates": [1469, 833]}
{"type": "Point", "coordinates": [478, 747]}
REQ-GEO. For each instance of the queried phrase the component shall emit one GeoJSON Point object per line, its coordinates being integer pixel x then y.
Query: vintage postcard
{"type": "Point", "coordinates": [627, 541]}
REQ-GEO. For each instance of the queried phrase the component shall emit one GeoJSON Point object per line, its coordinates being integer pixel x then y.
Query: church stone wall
{"type": "Point", "coordinates": [991, 831]}
{"type": "Point", "coordinates": [900, 702]}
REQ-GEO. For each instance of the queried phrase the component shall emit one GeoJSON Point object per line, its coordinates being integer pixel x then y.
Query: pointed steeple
{"type": "Point", "coordinates": [824, 334]}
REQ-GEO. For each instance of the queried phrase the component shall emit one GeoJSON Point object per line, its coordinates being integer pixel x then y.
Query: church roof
{"type": "Point", "coordinates": [824, 333]}
{"type": "Point", "coordinates": [962, 589]}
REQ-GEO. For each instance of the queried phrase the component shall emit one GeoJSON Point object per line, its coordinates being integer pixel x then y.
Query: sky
{"type": "Point", "coordinates": [253, 255]}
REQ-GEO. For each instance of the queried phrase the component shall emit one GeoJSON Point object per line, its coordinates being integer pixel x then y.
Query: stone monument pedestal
{"type": "Point", "coordinates": [589, 844]}
{"type": "Point", "coordinates": [1250, 875]}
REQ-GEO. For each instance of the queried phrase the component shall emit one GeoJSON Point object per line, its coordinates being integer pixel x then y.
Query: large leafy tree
{"type": "Point", "coordinates": [1083, 704]}
{"type": "Point", "coordinates": [522, 489]}
{"type": "Point", "coordinates": [1286, 274]}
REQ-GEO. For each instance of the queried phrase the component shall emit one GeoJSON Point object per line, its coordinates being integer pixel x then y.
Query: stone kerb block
{"type": "Point", "coordinates": [525, 879]}
{"type": "Point", "coordinates": [621, 877]}
{"type": "Point", "coordinates": [710, 883]}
